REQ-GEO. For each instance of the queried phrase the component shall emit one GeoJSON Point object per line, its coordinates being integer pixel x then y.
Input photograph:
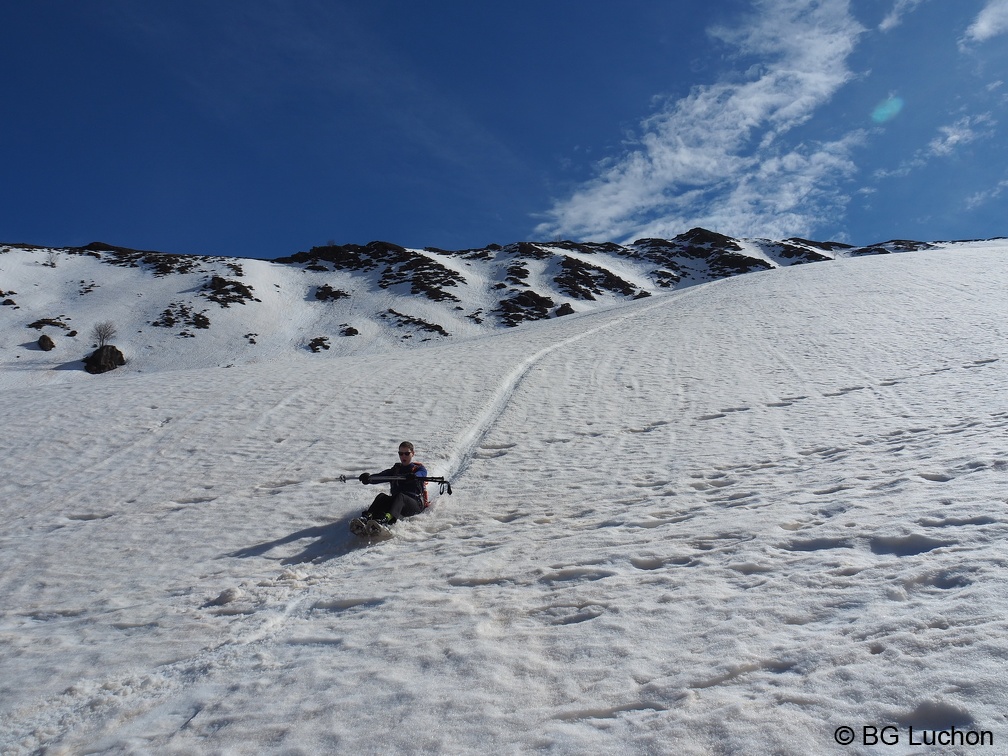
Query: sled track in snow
{"type": "Point", "coordinates": [460, 460]}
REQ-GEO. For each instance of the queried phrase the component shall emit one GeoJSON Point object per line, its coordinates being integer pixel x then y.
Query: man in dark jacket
{"type": "Point", "coordinates": [408, 492]}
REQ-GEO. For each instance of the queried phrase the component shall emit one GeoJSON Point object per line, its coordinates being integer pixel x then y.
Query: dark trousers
{"type": "Point", "coordinates": [398, 506]}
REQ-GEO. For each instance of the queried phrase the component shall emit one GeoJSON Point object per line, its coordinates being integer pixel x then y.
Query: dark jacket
{"type": "Point", "coordinates": [413, 487]}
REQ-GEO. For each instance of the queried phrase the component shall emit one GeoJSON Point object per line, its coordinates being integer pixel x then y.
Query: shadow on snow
{"type": "Point", "coordinates": [330, 541]}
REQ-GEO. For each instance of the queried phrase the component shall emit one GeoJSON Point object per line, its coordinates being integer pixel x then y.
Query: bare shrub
{"type": "Point", "coordinates": [104, 332]}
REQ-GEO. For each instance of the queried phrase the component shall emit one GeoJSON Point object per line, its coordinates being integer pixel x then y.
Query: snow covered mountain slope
{"type": "Point", "coordinates": [728, 520]}
{"type": "Point", "coordinates": [184, 312]}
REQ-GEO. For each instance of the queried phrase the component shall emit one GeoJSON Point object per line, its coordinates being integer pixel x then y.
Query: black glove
{"type": "Point", "coordinates": [364, 477]}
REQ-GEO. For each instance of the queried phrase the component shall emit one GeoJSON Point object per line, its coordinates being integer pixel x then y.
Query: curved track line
{"type": "Point", "coordinates": [460, 460]}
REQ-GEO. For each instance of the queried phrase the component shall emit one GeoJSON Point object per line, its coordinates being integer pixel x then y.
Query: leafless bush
{"type": "Point", "coordinates": [104, 332]}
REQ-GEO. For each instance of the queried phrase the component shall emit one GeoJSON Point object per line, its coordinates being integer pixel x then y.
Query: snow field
{"type": "Point", "coordinates": [729, 520]}
{"type": "Point", "coordinates": [811, 474]}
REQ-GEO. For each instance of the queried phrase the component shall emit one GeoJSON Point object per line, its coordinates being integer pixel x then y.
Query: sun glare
{"type": "Point", "coordinates": [888, 109]}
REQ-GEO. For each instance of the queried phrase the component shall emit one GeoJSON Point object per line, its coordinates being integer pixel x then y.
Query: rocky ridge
{"type": "Point", "coordinates": [349, 299]}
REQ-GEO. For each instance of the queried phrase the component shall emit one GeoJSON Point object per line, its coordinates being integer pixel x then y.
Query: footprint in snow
{"type": "Point", "coordinates": [981, 363]}
{"type": "Point", "coordinates": [87, 517]}
{"type": "Point", "coordinates": [847, 390]}
{"type": "Point", "coordinates": [819, 544]}
{"type": "Point", "coordinates": [649, 564]}
{"type": "Point", "coordinates": [904, 546]}
{"type": "Point", "coordinates": [574, 574]}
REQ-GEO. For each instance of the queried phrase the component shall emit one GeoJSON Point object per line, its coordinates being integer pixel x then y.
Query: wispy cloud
{"type": "Point", "coordinates": [965, 130]}
{"type": "Point", "coordinates": [992, 21]}
{"type": "Point", "coordinates": [716, 157]}
{"type": "Point", "coordinates": [779, 196]}
{"type": "Point", "coordinates": [982, 198]}
{"type": "Point", "coordinates": [950, 138]}
{"type": "Point", "coordinates": [895, 17]}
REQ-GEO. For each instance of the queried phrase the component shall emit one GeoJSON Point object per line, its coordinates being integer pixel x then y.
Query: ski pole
{"type": "Point", "coordinates": [444, 484]}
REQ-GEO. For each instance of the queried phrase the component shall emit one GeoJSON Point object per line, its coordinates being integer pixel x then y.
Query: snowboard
{"type": "Point", "coordinates": [370, 529]}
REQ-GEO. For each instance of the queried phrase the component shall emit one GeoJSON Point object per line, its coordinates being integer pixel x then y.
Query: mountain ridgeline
{"type": "Point", "coordinates": [349, 299]}
{"type": "Point", "coordinates": [538, 280]}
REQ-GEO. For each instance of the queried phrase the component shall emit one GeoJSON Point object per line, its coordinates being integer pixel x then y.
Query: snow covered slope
{"type": "Point", "coordinates": [731, 519]}
{"type": "Point", "coordinates": [184, 312]}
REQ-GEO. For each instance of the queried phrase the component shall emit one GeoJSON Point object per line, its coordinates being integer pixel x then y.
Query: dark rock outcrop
{"type": "Point", "coordinates": [319, 343]}
{"type": "Point", "coordinates": [582, 280]}
{"type": "Point", "coordinates": [225, 292]}
{"type": "Point", "coordinates": [104, 359]}
{"type": "Point", "coordinates": [524, 305]}
{"type": "Point", "coordinates": [326, 293]}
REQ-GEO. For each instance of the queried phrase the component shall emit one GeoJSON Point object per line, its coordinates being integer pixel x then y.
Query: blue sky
{"type": "Point", "coordinates": [263, 127]}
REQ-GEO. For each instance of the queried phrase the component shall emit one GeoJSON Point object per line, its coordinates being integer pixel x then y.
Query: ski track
{"type": "Point", "coordinates": [471, 441]}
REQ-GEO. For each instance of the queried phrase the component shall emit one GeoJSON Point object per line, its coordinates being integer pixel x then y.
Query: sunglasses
{"type": "Point", "coordinates": [405, 453]}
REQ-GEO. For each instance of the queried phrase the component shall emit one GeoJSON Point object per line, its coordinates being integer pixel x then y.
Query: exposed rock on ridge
{"type": "Point", "coordinates": [380, 293]}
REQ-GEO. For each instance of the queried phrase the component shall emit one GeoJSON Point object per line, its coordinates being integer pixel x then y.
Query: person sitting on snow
{"type": "Point", "coordinates": [408, 494]}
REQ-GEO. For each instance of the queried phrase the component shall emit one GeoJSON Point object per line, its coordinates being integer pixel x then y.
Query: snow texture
{"type": "Point", "coordinates": [726, 519]}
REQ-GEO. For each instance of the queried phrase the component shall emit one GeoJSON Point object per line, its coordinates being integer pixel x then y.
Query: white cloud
{"type": "Point", "coordinates": [774, 198]}
{"type": "Point", "coordinates": [950, 138]}
{"type": "Point", "coordinates": [895, 17]}
{"type": "Point", "coordinates": [992, 21]}
{"type": "Point", "coordinates": [982, 198]}
{"type": "Point", "coordinates": [715, 156]}
{"type": "Point", "coordinates": [963, 131]}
